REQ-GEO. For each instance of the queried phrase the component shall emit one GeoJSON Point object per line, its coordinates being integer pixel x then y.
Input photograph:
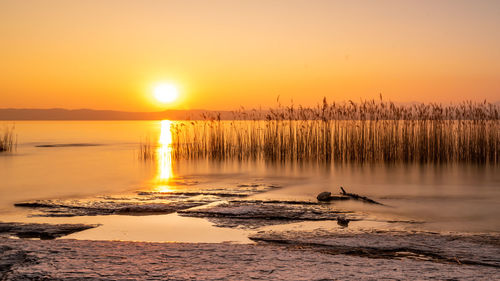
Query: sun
{"type": "Point", "coordinates": [166, 93]}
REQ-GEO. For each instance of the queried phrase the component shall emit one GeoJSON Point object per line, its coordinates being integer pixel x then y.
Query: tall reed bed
{"type": "Point", "coordinates": [8, 140]}
{"type": "Point", "coordinates": [369, 131]}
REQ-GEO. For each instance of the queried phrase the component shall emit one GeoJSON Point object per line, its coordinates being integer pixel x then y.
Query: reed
{"type": "Point", "coordinates": [368, 131]}
{"type": "Point", "coordinates": [147, 150]}
{"type": "Point", "coordinates": [8, 140]}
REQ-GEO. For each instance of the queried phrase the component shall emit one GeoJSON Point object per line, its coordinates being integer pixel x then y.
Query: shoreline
{"type": "Point", "coordinates": [66, 259]}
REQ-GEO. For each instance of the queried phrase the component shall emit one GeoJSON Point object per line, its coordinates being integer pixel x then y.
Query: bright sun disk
{"type": "Point", "coordinates": [166, 93]}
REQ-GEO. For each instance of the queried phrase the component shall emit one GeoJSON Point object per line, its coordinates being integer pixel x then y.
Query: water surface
{"type": "Point", "coordinates": [85, 159]}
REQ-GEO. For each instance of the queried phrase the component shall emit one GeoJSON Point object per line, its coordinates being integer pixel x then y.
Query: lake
{"type": "Point", "coordinates": [85, 160]}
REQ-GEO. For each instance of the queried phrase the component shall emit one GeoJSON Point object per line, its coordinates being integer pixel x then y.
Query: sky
{"type": "Point", "coordinates": [104, 54]}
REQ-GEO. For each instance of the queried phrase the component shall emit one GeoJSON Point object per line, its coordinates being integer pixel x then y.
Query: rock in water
{"type": "Point", "coordinates": [42, 231]}
{"type": "Point", "coordinates": [324, 196]}
{"type": "Point", "coordinates": [342, 221]}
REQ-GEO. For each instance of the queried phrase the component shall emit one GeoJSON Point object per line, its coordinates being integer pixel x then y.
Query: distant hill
{"type": "Point", "coordinates": [90, 114]}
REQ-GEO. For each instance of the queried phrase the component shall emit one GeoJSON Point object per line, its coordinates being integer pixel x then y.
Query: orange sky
{"type": "Point", "coordinates": [222, 54]}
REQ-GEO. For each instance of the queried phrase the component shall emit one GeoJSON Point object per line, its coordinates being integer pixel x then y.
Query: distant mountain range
{"type": "Point", "coordinates": [90, 114]}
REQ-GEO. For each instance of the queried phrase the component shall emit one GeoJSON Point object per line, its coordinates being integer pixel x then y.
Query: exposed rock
{"type": "Point", "coordinates": [255, 214]}
{"type": "Point", "coordinates": [114, 260]}
{"type": "Point", "coordinates": [157, 208]}
{"type": "Point", "coordinates": [11, 258]}
{"type": "Point", "coordinates": [468, 249]}
{"type": "Point", "coordinates": [144, 203]}
{"type": "Point", "coordinates": [327, 197]}
{"type": "Point", "coordinates": [249, 185]}
{"type": "Point", "coordinates": [324, 196]}
{"type": "Point", "coordinates": [41, 230]}
{"type": "Point", "coordinates": [70, 208]}
{"type": "Point", "coordinates": [342, 221]}
{"type": "Point", "coordinates": [288, 202]}
{"type": "Point", "coordinates": [217, 193]}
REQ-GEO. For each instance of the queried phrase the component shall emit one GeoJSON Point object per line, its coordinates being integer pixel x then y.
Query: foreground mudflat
{"type": "Point", "coordinates": [112, 260]}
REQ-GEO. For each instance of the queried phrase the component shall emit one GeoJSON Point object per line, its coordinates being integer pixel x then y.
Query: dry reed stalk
{"type": "Point", "coordinates": [8, 140]}
{"type": "Point", "coordinates": [369, 131]}
{"type": "Point", "coordinates": [147, 150]}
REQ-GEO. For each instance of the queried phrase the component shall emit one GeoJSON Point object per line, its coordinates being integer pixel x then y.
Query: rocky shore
{"type": "Point", "coordinates": [114, 260]}
{"type": "Point", "coordinates": [335, 250]}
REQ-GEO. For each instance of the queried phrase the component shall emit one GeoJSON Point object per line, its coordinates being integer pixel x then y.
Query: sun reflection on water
{"type": "Point", "coordinates": [165, 170]}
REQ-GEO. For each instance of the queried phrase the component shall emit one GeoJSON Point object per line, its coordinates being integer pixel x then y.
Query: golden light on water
{"type": "Point", "coordinates": [165, 171]}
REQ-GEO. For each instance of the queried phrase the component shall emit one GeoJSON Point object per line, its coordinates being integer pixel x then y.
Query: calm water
{"type": "Point", "coordinates": [447, 198]}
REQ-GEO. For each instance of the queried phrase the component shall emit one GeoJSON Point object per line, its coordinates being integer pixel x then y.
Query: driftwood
{"type": "Point", "coordinates": [359, 197]}
{"type": "Point", "coordinates": [327, 197]}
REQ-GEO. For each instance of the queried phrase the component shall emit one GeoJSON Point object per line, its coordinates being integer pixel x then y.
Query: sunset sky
{"type": "Point", "coordinates": [222, 54]}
